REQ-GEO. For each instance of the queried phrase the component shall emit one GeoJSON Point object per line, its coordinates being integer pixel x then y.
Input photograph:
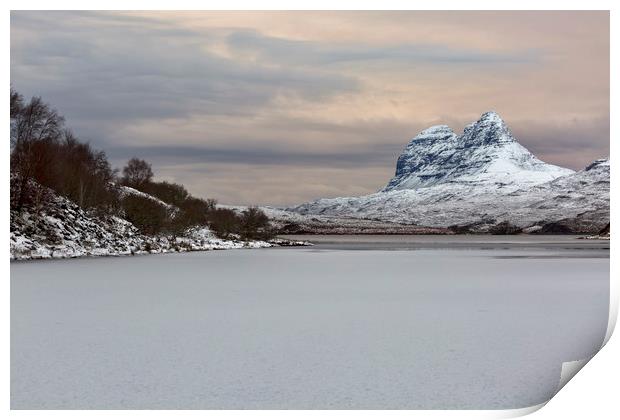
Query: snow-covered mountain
{"type": "Point", "coordinates": [485, 154]}
{"type": "Point", "coordinates": [480, 180]}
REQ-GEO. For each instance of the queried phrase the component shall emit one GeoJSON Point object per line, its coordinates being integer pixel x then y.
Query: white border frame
{"type": "Point", "coordinates": [595, 390]}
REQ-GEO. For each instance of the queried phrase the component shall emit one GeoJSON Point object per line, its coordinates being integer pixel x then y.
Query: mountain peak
{"type": "Point", "coordinates": [436, 129]}
{"type": "Point", "coordinates": [486, 153]}
{"type": "Point", "coordinates": [488, 130]}
{"type": "Point", "coordinates": [597, 164]}
{"type": "Point", "coordinates": [492, 117]}
{"type": "Point", "coordinates": [433, 134]}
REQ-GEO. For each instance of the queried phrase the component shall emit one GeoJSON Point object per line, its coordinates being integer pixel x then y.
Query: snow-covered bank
{"type": "Point", "coordinates": [61, 229]}
{"type": "Point", "coordinates": [604, 234]}
{"type": "Point", "coordinates": [292, 223]}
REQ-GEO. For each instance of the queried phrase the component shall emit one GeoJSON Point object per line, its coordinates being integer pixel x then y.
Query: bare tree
{"type": "Point", "coordinates": [137, 173]}
{"type": "Point", "coordinates": [83, 174]}
{"type": "Point", "coordinates": [17, 103]}
{"type": "Point", "coordinates": [35, 129]}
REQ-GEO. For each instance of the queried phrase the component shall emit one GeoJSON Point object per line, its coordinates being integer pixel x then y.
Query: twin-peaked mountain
{"type": "Point", "coordinates": [486, 153]}
{"type": "Point", "coordinates": [482, 180]}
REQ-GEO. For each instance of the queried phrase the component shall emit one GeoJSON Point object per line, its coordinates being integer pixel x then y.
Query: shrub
{"type": "Point", "coordinates": [195, 211]}
{"type": "Point", "coordinates": [224, 222]}
{"type": "Point", "coordinates": [167, 192]}
{"type": "Point", "coordinates": [147, 215]}
{"type": "Point", "coordinates": [255, 224]}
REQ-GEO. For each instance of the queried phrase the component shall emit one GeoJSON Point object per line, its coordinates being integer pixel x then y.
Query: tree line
{"type": "Point", "coordinates": [46, 152]}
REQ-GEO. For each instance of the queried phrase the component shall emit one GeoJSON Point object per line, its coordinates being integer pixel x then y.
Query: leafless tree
{"type": "Point", "coordinates": [137, 173]}
{"type": "Point", "coordinates": [35, 128]}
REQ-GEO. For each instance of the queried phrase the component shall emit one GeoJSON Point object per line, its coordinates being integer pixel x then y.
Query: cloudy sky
{"type": "Point", "coordinates": [283, 107]}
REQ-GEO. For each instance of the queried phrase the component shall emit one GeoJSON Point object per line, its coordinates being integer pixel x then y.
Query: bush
{"type": "Point", "coordinates": [224, 222]}
{"type": "Point", "coordinates": [147, 215]}
{"type": "Point", "coordinates": [195, 211]}
{"type": "Point", "coordinates": [167, 192]}
{"type": "Point", "coordinates": [255, 224]}
{"type": "Point", "coordinates": [191, 212]}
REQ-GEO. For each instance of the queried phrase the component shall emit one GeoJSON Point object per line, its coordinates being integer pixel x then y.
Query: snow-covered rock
{"type": "Point", "coordinates": [479, 180]}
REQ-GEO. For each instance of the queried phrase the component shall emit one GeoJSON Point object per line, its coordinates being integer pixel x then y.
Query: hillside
{"type": "Point", "coordinates": [61, 229]}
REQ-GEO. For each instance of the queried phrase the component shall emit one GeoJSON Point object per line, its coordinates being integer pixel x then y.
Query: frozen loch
{"type": "Point", "coordinates": [398, 325]}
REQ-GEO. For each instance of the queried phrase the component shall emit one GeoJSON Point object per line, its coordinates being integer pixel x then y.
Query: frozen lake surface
{"type": "Point", "coordinates": [472, 323]}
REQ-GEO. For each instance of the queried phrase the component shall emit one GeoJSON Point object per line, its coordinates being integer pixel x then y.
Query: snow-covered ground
{"type": "Point", "coordinates": [73, 233]}
{"type": "Point", "coordinates": [581, 198]}
{"type": "Point", "coordinates": [61, 229]}
{"type": "Point", "coordinates": [291, 222]}
{"type": "Point", "coordinates": [125, 191]}
{"type": "Point", "coordinates": [305, 328]}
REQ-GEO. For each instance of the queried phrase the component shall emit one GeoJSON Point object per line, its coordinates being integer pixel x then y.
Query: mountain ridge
{"type": "Point", "coordinates": [486, 152]}
{"type": "Point", "coordinates": [479, 180]}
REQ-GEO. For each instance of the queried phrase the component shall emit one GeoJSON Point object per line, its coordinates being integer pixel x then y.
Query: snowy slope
{"type": "Point", "coordinates": [125, 191]}
{"type": "Point", "coordinates": [61, 229]}
{"type": "Point", "coordinates": [293, 223]}
{"type": "Point", "coordinates": [479, 180]}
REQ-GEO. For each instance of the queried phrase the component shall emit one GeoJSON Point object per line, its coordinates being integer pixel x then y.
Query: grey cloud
{"type": "Point", "coordinates": [573, 144]}
{"type": "Point", "coordinates": [92, 69]}
{"type": "Point", "coordinates": [562, 145]}
{"type": "Point", "coordinates": [374, 143]}
{"type": "Point", "coordinates": [312, 53]}
{"type": "Point", "coordinates": [273, 184]}
{"type": "Point", "coordinates": [373, 155]}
